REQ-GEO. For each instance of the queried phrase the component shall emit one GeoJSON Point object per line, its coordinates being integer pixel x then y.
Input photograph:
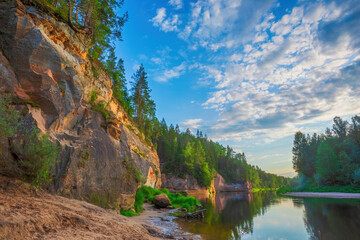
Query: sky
{"type": "Point", "coordinates": [248, 73]}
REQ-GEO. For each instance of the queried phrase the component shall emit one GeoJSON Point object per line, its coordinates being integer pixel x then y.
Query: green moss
{"type": "Point", "coordinates": [84, 157]}
{"type": "Point", "coordinates": [128, 213]}
{"type": "Point", "coordinates": [133, 172]}
{"type": "Point", "coordinates": [101, 107]}
{"type": "Point", "coordinates": [93, 96]}
{"type": "Point", "coordinates": [140, 152]}
{"type": "Point", "coordinates": [33, 104]}
{"type": "Point", "coordinates": [104, 200]}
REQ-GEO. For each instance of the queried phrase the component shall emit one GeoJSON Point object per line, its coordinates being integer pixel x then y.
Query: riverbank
{"type": "Point", "coordinates": [28, 213]}
{"type": "Point", "coordinates": [324, 195]}
{"type": "Point", "coordinates": [163, 222]}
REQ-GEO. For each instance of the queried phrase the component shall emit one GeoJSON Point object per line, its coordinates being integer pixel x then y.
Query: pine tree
{"type": "Point", "coordinates": [143, 105]}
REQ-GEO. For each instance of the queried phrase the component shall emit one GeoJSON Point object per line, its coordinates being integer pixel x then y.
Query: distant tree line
{"type": "Point", "coordinates": [331, 158]}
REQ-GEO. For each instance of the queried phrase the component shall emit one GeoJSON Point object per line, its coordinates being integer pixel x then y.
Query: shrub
{"type": "Point", "coordinates": [37, 156]}
{"type": "Point", "coordinates": [36, 153]}
{"type": "Point", "coordinates": [177, 200]}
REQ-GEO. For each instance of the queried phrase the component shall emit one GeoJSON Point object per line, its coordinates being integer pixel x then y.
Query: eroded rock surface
{"type": "Point", "coordinates": [43, 63]}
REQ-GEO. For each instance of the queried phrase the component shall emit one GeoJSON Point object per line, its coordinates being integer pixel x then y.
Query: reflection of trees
{"type": "Point", "coordinates": [332, 218]}
{"type": "Point", "coordinates": [235, 218]}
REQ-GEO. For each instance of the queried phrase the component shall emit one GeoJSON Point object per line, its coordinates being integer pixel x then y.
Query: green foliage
{"type": "Point", "coordinates": [134, 171]}
{"type": "Point", "coordinates": [329, 159]}
{"type": "Point", "coordinates": [326, 164]}
{"type": "Point", "coordinates": [99, 19]}
{"type": "Point", "coordinates": [315, 188]}
{"type": "Point", "coordinates": [177, 200]}
{"type": "Point", "coordinates": [143, 105]}
{"type": "Point", "coordinates": [116, 71]}
{"type": "Point", "coordinates": [102, 107]}
{"type": "Point", "coordinates": [33, 104]}
{"type": "Point", "coordinates": [35, 152]}
{"type": "Point", "coordinates": [84, 157]}
{"type": "Point", "coordinates": [8, 118]}
{"type": "Point", "coordinates": [128, 213]}
{"type": "Point", "coordinates": [93, 96]}
{"type": "Point", "coordinates": [183, 154]}
{"type": "Point", "coordinates": [37, 156]}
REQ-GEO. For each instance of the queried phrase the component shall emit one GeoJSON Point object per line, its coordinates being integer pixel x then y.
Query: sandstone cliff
{"type": "Point", "coordinates": [43, 62]}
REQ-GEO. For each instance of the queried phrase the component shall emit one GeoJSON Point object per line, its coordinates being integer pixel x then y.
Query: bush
{"type": "Point", "coordinates": [36, 153]}
{"type": "Point", "coordinates": [177, 200]}
{"type": "Point", "coordinates": [37, 156]}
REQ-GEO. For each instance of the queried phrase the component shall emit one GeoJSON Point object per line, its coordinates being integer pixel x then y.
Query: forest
{"type": "Point", "coordinates": [180, 153]}
{"type": "Point", "coordinates": [331, 158]}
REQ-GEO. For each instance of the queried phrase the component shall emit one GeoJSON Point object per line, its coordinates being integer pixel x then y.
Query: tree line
{"type": "Point", "coordinates": [331, 158]}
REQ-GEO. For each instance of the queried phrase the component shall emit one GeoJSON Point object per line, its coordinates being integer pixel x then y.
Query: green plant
{"type": "Point", "coordinates": [37, 154]}
{"type": "Point", "coordinates": [101, 107]}
{"type": "Point", "coordinates": [134, 171]}
{"type": "Point", "coordinates": [128, 213]}
{"type": "Point", "coordinates": [140, 152]}
{"type": "Point", "coordinates": [8, 118]}
{"type": "Point", "coordinates": [33, 104]}
{"type": "Point", "coordinates": [177, 200]}
{"type": "Point", "coordinates": [84, 157]}
{"type": "Point", "coordinates": [93, 96]}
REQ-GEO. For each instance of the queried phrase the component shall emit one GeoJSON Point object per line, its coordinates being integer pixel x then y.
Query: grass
{"type": "Point", "coordinates": [177, 200]}
{"type": "Point", "coordinates": [314, 188]}
{"type": "Point", "coordinates": [101, 107]}
{"type": "Point", "coordinates": [128, 213]}
{"type": "Point", "coordinates": [254, 190]}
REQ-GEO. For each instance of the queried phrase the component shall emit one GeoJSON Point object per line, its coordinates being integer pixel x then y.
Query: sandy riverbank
{"type": "Point", "coordinates": [27, 213]}
{"type": "Point", "coordinates": [323, 194]}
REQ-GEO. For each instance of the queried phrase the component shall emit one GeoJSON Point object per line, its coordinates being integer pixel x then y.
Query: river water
{"type": "Point", "coordinates": [265, 215]}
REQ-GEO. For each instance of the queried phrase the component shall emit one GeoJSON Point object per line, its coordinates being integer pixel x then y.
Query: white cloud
{"type": "Point", "coordinates": [191, 123]}
{"type": "Point", "coordinates": [178, 4]}
{"type": "Point", "coordinates": [166, 24]}
{"type": "Point", "coordinates": [168, 74]}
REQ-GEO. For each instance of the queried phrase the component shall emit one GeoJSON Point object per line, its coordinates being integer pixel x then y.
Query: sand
{"type": "Point", "coordinates": [323, 194]}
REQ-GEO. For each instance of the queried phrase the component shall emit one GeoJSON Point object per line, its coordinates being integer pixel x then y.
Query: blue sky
{"type": "Point", "coordinates": [248, 73]}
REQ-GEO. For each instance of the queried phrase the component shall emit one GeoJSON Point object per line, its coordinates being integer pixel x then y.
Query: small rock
{"type": "Point", "coordinates": [161, 201]}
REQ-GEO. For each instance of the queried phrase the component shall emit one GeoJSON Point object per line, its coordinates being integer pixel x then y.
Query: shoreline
{"type": "Point", "coordinates": [162, 222]}
{"type": "Point", "coordinates": [324, 195]}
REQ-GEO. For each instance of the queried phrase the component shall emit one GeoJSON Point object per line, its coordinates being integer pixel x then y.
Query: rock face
{"type": "Point", "coordinates": [161, 201]}
{"type": "Point", "coordinates": [221, 186]}
{"type": "Point", "coordinates": [180, 184]}
{"type": "Point", "coordinates": [43, 63]}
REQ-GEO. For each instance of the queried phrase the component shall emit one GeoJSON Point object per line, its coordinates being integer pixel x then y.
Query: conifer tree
{"type": "Point", "coordinates": [143, 105]}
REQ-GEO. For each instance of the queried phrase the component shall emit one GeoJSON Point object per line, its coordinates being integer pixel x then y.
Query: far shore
{"type": "Point", "coordinates": [323, 194]}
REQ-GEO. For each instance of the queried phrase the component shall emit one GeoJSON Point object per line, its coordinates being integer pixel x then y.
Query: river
{"type": "Point", "coordinates": [265, 215]}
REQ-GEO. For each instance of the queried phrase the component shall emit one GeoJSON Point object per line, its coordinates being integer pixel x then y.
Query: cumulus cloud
{"type": "Point", "coordinates": [168, 74]}
{"type": "Point", "coordinates": [166, 24]}
{"type": "Point", "coordinates": [191, 123]}
{"type": "Point", "coordinates": [280, 72]}
{"type": "Point", "coordinates": [178, 4]}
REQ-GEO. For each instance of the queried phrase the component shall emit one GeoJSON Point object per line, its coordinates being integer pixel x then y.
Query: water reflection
{"type": "Point", "coordinates": [265, 215]}
{"type": "Point", "coordinates": [332, 219]}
